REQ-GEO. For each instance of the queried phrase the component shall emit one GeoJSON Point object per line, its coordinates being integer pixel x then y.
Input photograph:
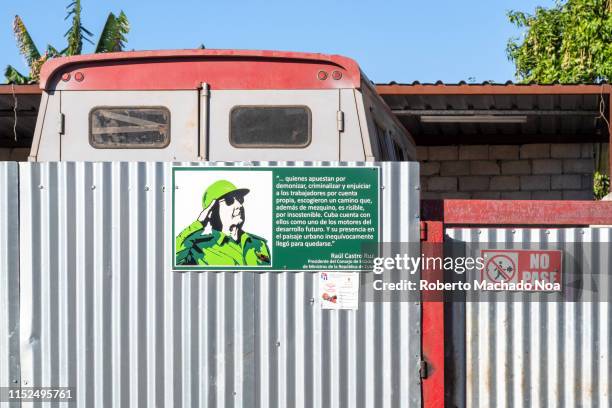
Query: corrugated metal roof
{"type": "Point", "coordinates": [552, 113]}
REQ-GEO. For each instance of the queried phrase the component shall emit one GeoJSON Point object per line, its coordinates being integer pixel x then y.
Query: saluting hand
{"type": "Point", "coordinates": [204, 216]}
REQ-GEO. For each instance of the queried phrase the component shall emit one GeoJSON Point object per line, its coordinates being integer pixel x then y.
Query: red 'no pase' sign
{"type": "Point", "coordinates": [514, 266]}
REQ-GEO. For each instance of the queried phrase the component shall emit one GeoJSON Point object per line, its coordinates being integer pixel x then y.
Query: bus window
{"type": "Point", "coordinates": [129, 127]}
{"type": "Point", "coordinates": [270, 126]}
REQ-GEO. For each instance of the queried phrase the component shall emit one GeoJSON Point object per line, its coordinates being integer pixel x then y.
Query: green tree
{"type": "Point", "coordinates": [570, 42]}
{"type": "Point", "coordinates": [112, 38]}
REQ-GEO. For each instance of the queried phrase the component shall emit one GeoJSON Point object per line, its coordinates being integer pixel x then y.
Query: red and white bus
{"type": "Point", "coordinates": [213, 105]}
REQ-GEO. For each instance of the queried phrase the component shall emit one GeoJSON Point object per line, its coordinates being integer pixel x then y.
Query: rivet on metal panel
{"type": "Point", "coordinates": [164, 188]}
{"type": "Point", "coordinates": [40, 186]}
{"type": "Point", "coordinates": [417, 216]}
{"type": "Point", "coordinates": [514, 231]}
{"type": "Point", "coordinates": [547, 232]}
{"type": "Point", "coordinates": [479, 232]}
{"type": "Point", "coordinates": [311, 301]}
{"type": "Point", "coordinates": [582, 231]}
{"type": "Point", "coordinates": [277, 343]}
{"type": "Point", "coordinates": [15, 381]}
{"type": "Point", "coordinates": [417, 187]}
{"type": "Point", "coordinates": [146, 188]}
{"type": "Point", "coordinates": [93, 187]}
{"type": "Point", "coordinates": [382, 187]}
{"type": "Point", "coordinates": [176, 187]}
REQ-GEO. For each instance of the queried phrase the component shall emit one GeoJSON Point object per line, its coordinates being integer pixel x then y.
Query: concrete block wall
{"type": "Point", "coordinates": [513, 172]}
{"type": "Point", "coordinates": [14, 153]}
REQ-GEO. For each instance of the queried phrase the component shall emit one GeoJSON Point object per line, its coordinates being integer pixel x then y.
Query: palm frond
{"type": "Point", "coordinates": [15, 77]}
{"type": "Point", "coordinates": [52, 52]}
{"type": "Point", "coordinates": [71, 9]}
{"type": "Point", "coordinates": [113, 35]}
{"type": "Point", "coordinates": [37, 66]}
{"type": "Point", "coordinates": [76, 33]}
{"type": "Point", "coordinates": [26, 45]}
{"type": "Point", "coordinates": [87, 35]}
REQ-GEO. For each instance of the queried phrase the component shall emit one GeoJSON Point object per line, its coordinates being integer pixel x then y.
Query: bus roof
{"type": "Point", "coordinates": [187, 69]}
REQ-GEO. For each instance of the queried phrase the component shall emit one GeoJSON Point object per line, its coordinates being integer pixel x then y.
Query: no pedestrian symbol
{"type": "Point", "coordinates": [501, 268]}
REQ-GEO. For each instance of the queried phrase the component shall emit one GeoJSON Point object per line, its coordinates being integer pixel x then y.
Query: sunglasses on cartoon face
{"type": "Point", "coordinates": [229, 200]}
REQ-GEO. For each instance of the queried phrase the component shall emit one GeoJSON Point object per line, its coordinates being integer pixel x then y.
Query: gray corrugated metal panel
{"type": "Point", "coordinates": [102, 311]}
{"type": "Point", "coordinates": [9, 276]}
{"type": "Point", "coordinates": [522, 354]}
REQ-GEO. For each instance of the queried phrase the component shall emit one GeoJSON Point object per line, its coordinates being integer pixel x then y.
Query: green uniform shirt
{"type": "Point", "coordinates": [218, 249]}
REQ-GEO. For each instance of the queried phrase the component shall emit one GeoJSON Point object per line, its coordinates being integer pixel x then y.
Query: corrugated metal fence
{"type": "Point", "coordinates": [101, 311]}
{"type": "Point", "coordinates": [9, 276]}
{"type": "Point", "coordinates": [541, 354]}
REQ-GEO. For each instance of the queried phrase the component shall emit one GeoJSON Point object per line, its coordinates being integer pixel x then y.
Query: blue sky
{"type": "Point", "coordinates": [400, 41]}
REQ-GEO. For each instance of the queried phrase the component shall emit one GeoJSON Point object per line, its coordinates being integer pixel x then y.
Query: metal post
{"type": "Point", "coordinates": [204, 106]}
{"type": "Point", "coordinates": [432, 238]}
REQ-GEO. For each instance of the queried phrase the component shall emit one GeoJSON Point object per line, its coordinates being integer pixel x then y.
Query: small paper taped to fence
{"type": "Point", "coordinates": [339, 290]}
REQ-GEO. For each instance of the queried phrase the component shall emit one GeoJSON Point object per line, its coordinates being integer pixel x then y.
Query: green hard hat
{"type": "Point", "coordinates": [219, 189]}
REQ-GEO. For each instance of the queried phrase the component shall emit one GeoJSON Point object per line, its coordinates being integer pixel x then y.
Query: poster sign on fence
{"type": "Point", "coordinates": [274, 218]}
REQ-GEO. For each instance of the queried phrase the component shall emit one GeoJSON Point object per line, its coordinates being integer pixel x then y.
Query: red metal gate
{"type": "Point", "coordinates": [437, 216]}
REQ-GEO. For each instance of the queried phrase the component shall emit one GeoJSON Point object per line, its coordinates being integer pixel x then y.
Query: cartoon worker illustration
{"type": "Point", "coordinates": [226, 244]}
